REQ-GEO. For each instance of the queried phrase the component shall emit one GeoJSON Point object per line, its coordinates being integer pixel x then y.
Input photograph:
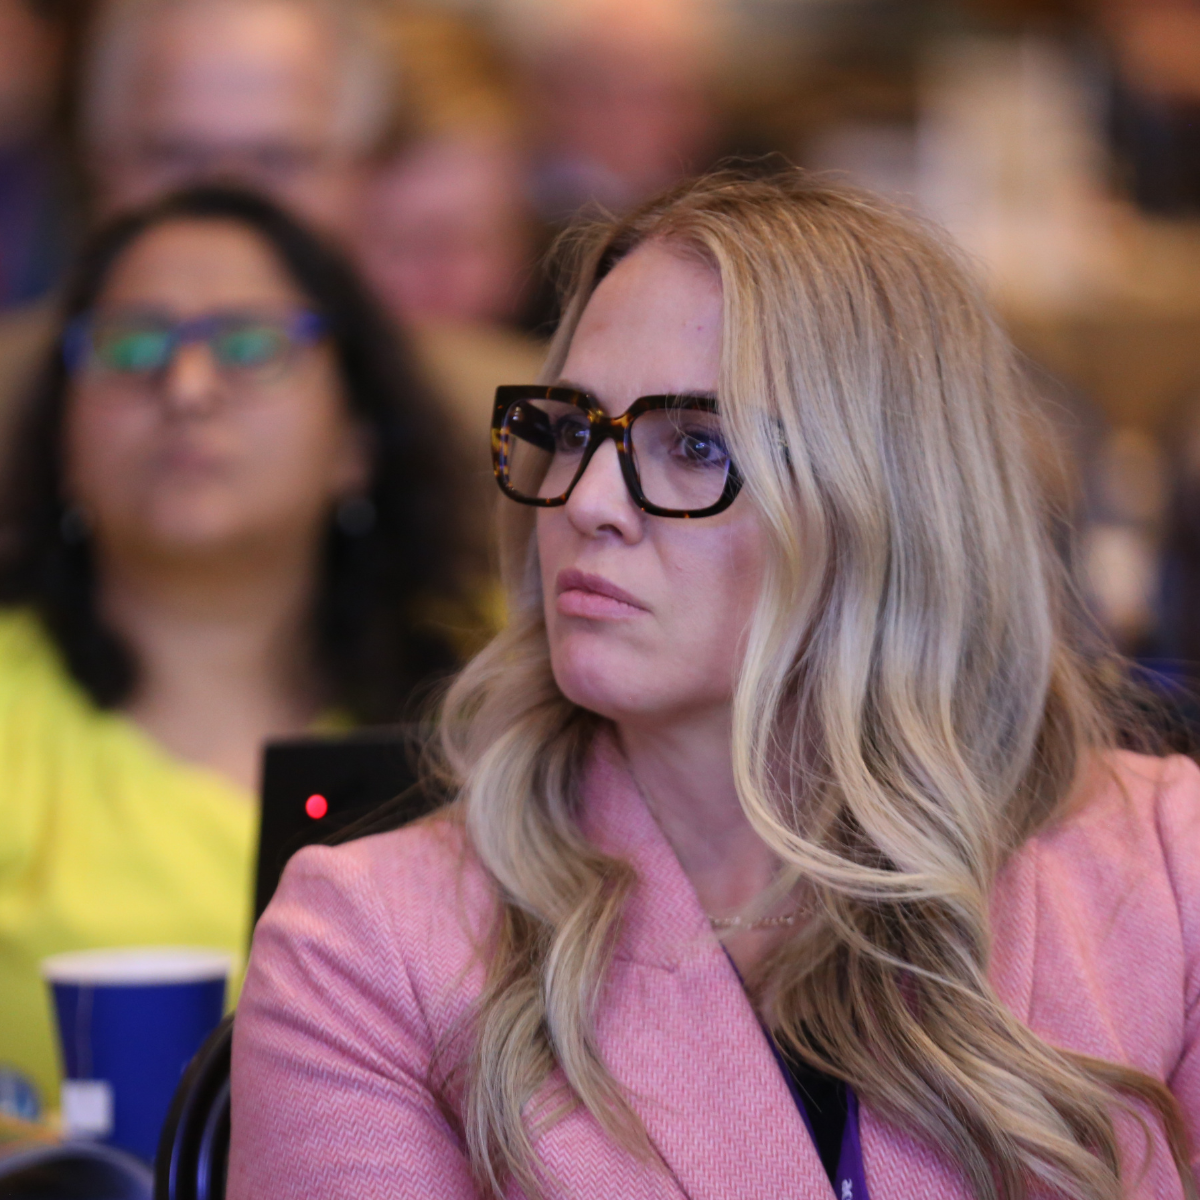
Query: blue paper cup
{"type": "Point", "coordinates": [129, 1022]}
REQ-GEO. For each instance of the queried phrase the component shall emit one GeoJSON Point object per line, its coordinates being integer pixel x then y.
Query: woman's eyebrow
{"type": "Point", "coordinates": [684, 395]}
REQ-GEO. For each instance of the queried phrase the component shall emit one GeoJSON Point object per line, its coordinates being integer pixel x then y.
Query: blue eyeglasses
{"type": "Point", "coordinates": [137, 346]}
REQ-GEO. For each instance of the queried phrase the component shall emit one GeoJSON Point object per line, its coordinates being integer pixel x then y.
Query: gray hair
{"type": "Point", "coordinates": [121, 25]}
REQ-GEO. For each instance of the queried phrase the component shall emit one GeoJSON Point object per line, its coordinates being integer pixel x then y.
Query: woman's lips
{"type": "Point", "coordinates": [578, 594]}
{"type": "Point", "coordinates": [189, 461]}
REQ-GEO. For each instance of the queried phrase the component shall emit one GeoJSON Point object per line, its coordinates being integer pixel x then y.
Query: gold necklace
{"type": "Point", "coordinates": [761, 923]}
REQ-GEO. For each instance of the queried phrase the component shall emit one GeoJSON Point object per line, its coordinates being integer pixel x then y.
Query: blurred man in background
{"type": "Point", "coordinates": [448, 238]}
{"type": "Point", "coordinates": [447, 242]}
{"type": "Point", "coordinates": [623, 94]}
{"type": "Point", "coordinates": [448, 235]}
{"type": "Point", "coordinates": [288, 96]}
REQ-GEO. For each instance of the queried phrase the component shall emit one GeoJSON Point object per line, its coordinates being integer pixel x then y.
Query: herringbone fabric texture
{"type": "Point", "coordinates": [368, 956]}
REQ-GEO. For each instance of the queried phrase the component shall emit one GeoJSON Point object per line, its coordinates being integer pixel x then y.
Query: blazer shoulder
{"type": "Point", "coordinates": [356, 981]}
{"type": "Point", "coordinates": [413, 903]}
{"type": "Point", "coordinates": [1097, 917]}
{"type": "Point", "coordinates": [403, 863]}
{"type": "Point", "coordinates": [1165, 796]}
{"type": "Point", "coordinates": [1130, 844]}
{"type": "Point", "coordinates": [418, 873]}
{"type": "Point", "coordinates": [1154, 801]}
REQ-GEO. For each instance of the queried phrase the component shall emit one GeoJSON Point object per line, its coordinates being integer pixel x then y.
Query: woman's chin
{"type": "Point", "coordinates": [618, 690]}
{"type": "Point", "coordinates": [183, 533]}
{"type": "Point", "coordinates": [587, 686]}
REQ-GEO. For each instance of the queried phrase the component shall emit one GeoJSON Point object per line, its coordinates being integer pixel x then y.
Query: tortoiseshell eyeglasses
{"type": "Point", "coordinates": [673, 453]}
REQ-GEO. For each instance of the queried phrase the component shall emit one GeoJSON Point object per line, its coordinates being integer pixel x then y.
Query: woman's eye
{"type": "Point", "coordinates": [702, 448]}
{"type": "Point", "coordinates": [251, 347]}
{"type": "Point", "coordinates": [135, 351]}
{"type": "Point", "coordinates": [570, 435]}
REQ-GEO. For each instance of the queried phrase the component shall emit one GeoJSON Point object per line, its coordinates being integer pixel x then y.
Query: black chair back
{"type": "Point", "coordinates": [193, 1150]}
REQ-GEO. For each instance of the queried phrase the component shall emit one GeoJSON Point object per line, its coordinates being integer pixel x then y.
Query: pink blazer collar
{"type": "Point", "coordinates": [664, 924]}
{"type": "Point", "coordinates": [682, 1037]}
{"type": "Point", "coordinates": [679, 1032]}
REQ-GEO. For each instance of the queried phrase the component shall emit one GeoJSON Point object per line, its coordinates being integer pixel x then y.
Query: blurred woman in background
{"type": "Point", "coordinates": [229, 519]}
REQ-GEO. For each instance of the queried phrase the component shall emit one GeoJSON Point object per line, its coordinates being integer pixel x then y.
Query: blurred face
{"type": "Point", "coordinates": [638, 109]}
{"type": "Point", "coordinates": [645, 615]}
{"type": "Point", "coordinates": [446, 237]}
{"type": "Point", "coordinates": [244, 92]}
{"type": "Point", "coordinates": [214, 452]}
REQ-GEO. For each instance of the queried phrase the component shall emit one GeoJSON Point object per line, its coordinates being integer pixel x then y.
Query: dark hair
{"type": "Point", "coordinates": [373, 649]}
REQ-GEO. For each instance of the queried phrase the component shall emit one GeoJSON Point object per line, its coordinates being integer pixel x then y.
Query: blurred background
{"type": "Point", "coordinates": [445, 144]}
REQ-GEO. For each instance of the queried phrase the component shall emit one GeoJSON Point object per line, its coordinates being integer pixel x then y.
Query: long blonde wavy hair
{"type": "Point", "coordinates": [912, 705]}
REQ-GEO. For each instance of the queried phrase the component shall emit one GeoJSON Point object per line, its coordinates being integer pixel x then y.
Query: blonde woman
{"type": "Point", "coordinates": [790, 853]}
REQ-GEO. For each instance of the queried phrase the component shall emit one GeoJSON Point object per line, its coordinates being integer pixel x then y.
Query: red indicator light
{"type": "Point", "coordinates": [316, 806]}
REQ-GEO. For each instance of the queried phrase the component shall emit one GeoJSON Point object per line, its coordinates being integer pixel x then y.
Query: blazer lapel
{"type": "Point", "coordinates": [897, 1165]}
{"type": "Point", "coordinates": [677, 1030]}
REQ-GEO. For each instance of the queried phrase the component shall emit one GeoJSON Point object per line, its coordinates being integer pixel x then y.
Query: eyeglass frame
{"type": "Point", "coordinates": [303, 326]}
{"type": "Point", "coordinates": [602, 427]}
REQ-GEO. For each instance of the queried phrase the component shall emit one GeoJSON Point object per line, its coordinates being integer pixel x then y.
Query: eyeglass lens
{"type": "Point", "coordinates": [680, 454]}
{"type": "Point", "coordinates": [250, 345]}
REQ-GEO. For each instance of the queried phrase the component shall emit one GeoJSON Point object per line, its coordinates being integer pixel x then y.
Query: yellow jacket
{"type": "Point", "coordinates": [105, 840]}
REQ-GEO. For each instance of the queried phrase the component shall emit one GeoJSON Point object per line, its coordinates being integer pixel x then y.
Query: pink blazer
{"type": "Point", "coordinates": [364, 960]}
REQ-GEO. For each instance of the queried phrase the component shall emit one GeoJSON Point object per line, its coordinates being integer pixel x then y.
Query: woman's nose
{"type": "Point", "coordinates": [192, 381]}
{"type": "Point", "coordinates": [600, 501]}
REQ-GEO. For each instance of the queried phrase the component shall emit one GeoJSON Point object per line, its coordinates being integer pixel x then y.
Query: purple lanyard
{"type": "Point", "coordinates": [851, 1175]}
{"type": "Point", "coordinates": [850, 1181]}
